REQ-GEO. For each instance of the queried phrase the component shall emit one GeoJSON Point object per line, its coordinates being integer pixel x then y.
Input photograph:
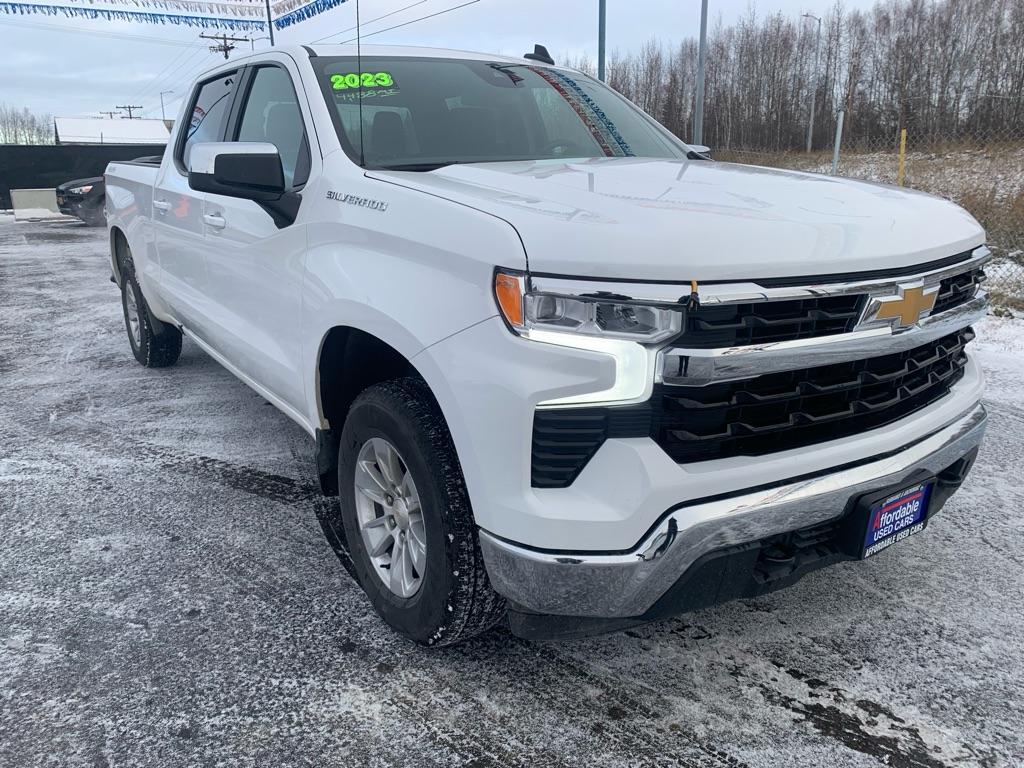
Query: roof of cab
{"type": "Point", "coordinates": [300, 52]}
{"type": "Point", "coordinates": [408, 51]}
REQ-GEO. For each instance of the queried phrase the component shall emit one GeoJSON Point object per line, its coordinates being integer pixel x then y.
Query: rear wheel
{"type": "Point", "coordinates": [152, 348]}
{"type": "Point", "coordinates": [407, 518]}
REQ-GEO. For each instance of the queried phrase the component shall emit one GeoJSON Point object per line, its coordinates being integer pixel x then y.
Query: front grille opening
{"type": "Point", "coordinates": [753, 417]}
{"type": "Point", "coordinates": [957, 290]}
{"type": "Point", "coordinates": [827, 403]}
{"type": "Point", "coordinates": [711, 326]}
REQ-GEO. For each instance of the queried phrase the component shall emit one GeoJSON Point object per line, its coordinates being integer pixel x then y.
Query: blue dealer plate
{"type": "Point", "coordinates": [897, 517]}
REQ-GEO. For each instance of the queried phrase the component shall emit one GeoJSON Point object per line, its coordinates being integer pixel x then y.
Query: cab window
{"type": "Point", "coordinates": [271, 114]}
{"type": "Point", "coordinates": [207, 116]}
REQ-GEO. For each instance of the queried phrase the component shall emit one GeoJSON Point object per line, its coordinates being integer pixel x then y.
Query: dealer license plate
{"type": "Point", "coordinates": [897, 517]}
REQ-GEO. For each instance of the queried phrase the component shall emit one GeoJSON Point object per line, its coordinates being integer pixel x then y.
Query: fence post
{"type": "Point", "coordinates": [901, 174]}
{"type": "Point", "coordinates": [839, 141]}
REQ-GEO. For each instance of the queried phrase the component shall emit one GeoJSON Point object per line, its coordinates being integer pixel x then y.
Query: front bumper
{"type": "Point", "coordinates": [625, 585]}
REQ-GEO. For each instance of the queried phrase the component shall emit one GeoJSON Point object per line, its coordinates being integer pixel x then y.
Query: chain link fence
{"type": "Point", "coordinates": [983, 172]}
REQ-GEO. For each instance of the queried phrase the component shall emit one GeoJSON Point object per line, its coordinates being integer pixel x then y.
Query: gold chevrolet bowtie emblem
{"type": "Point", "coordinates": [908, 306]}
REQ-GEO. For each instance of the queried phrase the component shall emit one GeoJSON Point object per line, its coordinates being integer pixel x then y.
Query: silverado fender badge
{"type": "Point", "coordinates": [362, 202]}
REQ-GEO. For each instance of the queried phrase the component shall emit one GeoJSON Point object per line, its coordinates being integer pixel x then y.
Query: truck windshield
{"type": "Point", "coordinates": [420, 114]}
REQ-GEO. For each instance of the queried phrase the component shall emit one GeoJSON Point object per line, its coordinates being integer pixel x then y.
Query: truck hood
{"type": "Point", "coordinates": [637, 219]}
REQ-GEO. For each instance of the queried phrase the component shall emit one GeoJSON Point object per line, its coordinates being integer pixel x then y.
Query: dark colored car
{"type": "Point", "coordinates": [84, 199]}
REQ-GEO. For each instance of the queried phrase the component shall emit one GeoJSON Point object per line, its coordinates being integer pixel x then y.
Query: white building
{"type": "Point", "coordinates": [98, 130]}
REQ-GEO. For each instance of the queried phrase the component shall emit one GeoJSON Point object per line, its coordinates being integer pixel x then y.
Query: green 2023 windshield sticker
{"type": "Point", "coordinates": [352, 81]}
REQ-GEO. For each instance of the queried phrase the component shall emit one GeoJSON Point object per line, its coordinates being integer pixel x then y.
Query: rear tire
{"type": "Point", "coordinates": [452, 599]}
{"type": "Point", "coordinates": [151, 349]}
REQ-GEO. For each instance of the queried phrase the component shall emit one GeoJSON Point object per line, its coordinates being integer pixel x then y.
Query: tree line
{"type": "Point", "coordinates": [949, 69]}
{"type": "Point", "coordinates": [19, 126]}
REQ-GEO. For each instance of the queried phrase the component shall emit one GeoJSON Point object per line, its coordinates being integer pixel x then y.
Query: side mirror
{"type": "Point", "coordinates": [247, 170]}
{"type": "Point", "coordinates": [701, 152]}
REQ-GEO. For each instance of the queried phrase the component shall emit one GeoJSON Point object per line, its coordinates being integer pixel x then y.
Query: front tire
{"type": "Point", "coordinates": [407, 518]}
{"type": "Point", "coordinates": [151, 348]}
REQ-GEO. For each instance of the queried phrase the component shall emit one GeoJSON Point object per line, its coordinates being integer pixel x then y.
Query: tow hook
{"type": "Point", "coordinates": [661, 542]}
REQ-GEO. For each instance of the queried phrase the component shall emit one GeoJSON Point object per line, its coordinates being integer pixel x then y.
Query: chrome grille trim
{"type": "Point", "coordinates": [697, 367]}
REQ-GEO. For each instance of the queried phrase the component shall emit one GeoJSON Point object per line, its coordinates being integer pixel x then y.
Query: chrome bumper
{"type": "Point", "coordinates": [628, 584]}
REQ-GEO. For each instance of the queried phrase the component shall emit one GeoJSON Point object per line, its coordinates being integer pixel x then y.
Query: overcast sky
{"type": "Point", "coordinates": [76, 67]}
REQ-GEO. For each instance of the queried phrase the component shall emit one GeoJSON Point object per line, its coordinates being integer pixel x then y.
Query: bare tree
{"type": "Point", "coordinates": [19, 126]}
{"type": "Point", "coordinates": [950, 68]}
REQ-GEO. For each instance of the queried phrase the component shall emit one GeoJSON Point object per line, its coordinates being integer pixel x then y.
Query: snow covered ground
{"type": "Point", "coordinates": [167, 598]}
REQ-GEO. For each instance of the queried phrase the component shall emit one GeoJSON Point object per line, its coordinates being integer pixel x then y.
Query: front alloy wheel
{"type": "Point", "coordinates": [390, 517]}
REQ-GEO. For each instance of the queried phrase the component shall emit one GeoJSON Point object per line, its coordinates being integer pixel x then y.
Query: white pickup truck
{"type": "Point", "coordinates": [561, 368]}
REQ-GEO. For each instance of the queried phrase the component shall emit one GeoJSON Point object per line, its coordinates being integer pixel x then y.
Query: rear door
{"type": "Point", "coordinates": [178, 210]}
{"type": "Point", "coordinates": [255, 269]}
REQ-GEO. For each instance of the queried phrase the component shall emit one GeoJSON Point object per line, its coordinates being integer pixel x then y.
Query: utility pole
{"type": "Point", "coordinates": [702, 63]}
{"type": "Point", "coordinates": [129, 109]}
{"type": "Point", "coordinates": [225, 45]}
{"type": "Point", "coordinates": [270, 24]}
{"type": "Point", "coordinates": [602, 32]}
{"type": "Point", "coordinates": [814, 89]}
{"type": "Point", "coordinates": [163, 115]}
{"type": "Point", "coordinates": [109, 114]}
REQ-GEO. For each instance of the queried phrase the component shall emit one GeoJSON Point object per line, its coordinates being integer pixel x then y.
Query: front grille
{"type": "Point", "coordinates": [711, 326]}
{"type": "Point", "coordinates": [770, 413]}
{"type": "Point", "coordinates": [780, 411]}
{"type": "Point", "coordinates": [957, 290]}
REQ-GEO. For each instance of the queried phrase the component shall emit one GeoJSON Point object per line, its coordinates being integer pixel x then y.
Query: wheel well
{"type": "Point", "coordinates": [120, 251]}
{"type": "Point", "coordinates": [350, 361]}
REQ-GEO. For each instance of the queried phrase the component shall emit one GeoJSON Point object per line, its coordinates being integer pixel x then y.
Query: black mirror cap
{"type": "Point", "coordinates": [540, 53]}
{"type": "Point", "coordinates": [258, 177]}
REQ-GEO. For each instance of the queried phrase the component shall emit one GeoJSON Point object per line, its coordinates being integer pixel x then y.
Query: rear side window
{"type": "Point", "coordinates": [209, 110]}
{"type": "Point", "coordinates": [272, 115]}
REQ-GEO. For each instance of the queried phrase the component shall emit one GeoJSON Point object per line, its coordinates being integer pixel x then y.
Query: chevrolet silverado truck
{"type": "Point", "coordinates": [559, 368]}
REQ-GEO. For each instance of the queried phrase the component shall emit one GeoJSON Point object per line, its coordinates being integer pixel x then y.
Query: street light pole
{"type": "Point", "coordinates": [602, 29]}
{"type": "Point", "coordinates": [814, 90]}
{"type": "Point", "coordinates": [163, 115]}
{"type": "Point", "coordinates": [702, 60]}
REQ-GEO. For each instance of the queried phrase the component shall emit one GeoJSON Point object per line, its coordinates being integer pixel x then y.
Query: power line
{"type": "Point", "coordinates": [129, 108]}
{"type": "Point", "coordinates": [371, 21]}
{"type": "Point", "coordinates": [179, 58]}
{"type": "Point", "coordinates": [182, 83]}
{"type": "Point", "coordinates": [414, 21]}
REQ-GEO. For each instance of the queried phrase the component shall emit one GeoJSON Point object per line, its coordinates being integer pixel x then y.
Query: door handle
{"type": "Point", "coordinates": [162, 206]}
{"type": "Point", "coordinates": [214, 221]}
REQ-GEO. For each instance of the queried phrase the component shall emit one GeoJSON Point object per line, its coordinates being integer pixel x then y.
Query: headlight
{"type": "Point", "coordinates": [80, 190]}
{"type": "Point", "coordinates": [601, 315]}
{"type": "Point", "coordinates": [627, 331]}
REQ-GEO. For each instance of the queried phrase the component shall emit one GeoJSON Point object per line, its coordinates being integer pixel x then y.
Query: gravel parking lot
{"type": "Point", "coordinates": [167, 597]}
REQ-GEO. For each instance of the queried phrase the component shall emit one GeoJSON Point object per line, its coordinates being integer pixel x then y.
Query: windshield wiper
{"type": "Point", "coordinates": [420, 167]}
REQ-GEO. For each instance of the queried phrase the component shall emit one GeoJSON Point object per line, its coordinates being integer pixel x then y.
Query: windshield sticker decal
{"type": "Point", "coordinates": [354, 81]}
{"type": "Point", "coordinates": [598, 123]}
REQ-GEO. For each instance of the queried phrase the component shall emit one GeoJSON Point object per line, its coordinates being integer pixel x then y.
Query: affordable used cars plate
{"type": "Point", "coordinates": [897, 517]}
